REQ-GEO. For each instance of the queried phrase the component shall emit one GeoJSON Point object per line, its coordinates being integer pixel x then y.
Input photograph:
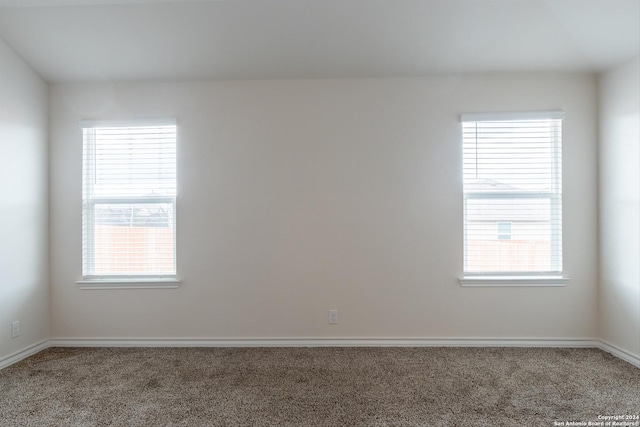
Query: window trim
{"type": "Point", "coordinates": [151, 281]}
{"type": "Point", "coordinates": [527, 278]}
{"type": "Point", "coordinates": [513, 115]}
{"type": "Point", "coordinates": [132, 283]}
{"type": "Point", "coordinates": [511, 281]}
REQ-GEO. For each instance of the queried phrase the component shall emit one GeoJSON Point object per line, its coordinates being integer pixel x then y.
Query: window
{"type": "Point", "coordinates": [504, 230]}
{"type": "Point", "coordinates": [512, 194]}
{"type": "Point", "coordinates": [129, 200]}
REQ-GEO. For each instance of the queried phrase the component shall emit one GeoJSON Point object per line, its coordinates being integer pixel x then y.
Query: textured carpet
{"type": "Point", "coordinates": [317, 387]}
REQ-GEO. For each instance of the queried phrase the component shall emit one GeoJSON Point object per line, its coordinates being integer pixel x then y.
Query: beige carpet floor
{"type": "Point", "coordinates": [317, 387]}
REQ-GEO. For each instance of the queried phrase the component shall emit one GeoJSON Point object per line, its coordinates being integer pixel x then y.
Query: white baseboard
{"type": "Point", "coordinates": [322, 342]}
{"type": "Point", "coordinates": [620, 353]}
{"type": "Point", "coordinates": [23, 354]}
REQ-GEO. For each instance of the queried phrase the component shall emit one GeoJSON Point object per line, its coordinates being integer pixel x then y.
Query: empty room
{"type": "Point", "coordinates": [319, 212]}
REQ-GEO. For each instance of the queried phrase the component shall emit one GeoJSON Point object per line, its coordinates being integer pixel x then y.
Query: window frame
{"type": "Point", "coordinates": [554, 277]}
{"type": "Point", "coordinates": [120, 281]}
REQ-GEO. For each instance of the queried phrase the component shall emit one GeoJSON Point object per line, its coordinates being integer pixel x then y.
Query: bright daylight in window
{"type": "Point", "coordinates": [129, 200]}
{"type": "Point", "coordinates": [512, 194]}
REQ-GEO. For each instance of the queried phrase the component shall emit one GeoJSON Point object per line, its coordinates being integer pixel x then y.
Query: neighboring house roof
{"type": "Point", "coordinates": [488, 185]}
{"type": "Point", "coordinates": [132, 216]}
{"type": "Point", "coordinates": [504, 209]}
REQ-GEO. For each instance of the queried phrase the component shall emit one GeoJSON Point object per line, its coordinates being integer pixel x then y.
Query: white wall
{"type": "Point", "coordinates": [300, 196]}
{"type": "Point", "coordinates": [619, 154]}
{"type": "Point", "coordinates": [24, 267]}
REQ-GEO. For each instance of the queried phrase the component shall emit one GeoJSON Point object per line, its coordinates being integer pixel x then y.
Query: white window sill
{"type": "Point", "coordinates": [513, 281]}
{"type": "Point", "coordinates": [120, 283]}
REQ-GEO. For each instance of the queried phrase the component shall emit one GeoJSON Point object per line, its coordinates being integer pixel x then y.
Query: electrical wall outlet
{"type": "Point", "coordinates": [15, 329]}
{"type": "Point", "coordinates": [333, 316]}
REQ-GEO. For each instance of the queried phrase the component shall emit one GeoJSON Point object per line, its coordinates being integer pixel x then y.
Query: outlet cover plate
{"type": "Point", "coordinates": [15, 329]}
{"type": "Point", "coordinates": [333, 317]}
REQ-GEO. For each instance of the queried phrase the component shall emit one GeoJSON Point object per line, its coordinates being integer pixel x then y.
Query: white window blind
{"type": "Point", "coordinates": [129, 200]}
{"type": "Point", "coordinates": [512, 169]}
